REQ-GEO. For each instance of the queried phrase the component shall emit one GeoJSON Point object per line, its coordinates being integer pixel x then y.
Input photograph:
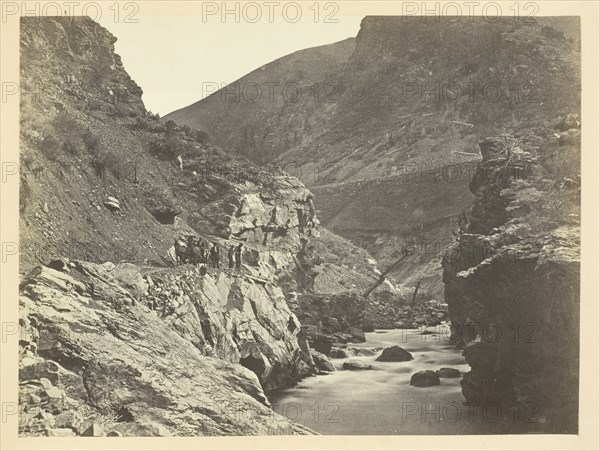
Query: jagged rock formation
{"type": "Point", "coordinates": [512, 280]}
{"type": "Point", "coordinates": [389, 146]}
{"type": "Point", "coordinates": [286, 218]}
{"type": "Point", "coordinates": [236, 317]}
{"type": "Point", "coordinates": [95, 358]}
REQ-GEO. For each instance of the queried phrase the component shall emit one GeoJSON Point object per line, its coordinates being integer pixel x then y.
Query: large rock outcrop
{"type": "Point", "coordinates": [512, 281]}
{"type": "Point", "coordinates": [283, 217]}
{"type": "Point", "coordinates": [95, 358]}
{"type": "Point", "coordinates": [236, 317]}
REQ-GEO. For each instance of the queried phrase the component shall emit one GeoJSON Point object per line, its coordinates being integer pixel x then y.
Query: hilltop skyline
{"type": "Point", "coordinates": [231, 49]}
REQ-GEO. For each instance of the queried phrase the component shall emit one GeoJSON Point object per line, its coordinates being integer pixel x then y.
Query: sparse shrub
{"type": "Point", "coordinates": [200, 136]}
{"type": "Point", "coordinates": [95, 105]}
{"type": "Point", "coordinates": [30, 118]}
{"type": "Point", "coordinates": [418, 216]}
{"type": "Point", "coordinates": [121, 110]}
{"type": "Point", "coordinates": [171, 127]}
{"type": "Point", "coordinates": [81, 105]}
{"type": "Point", "coordinates": [73, 145]}
{"type": "Point", "coordinates": [105, 160]}
{"type": "Point", "coordinates": [140, 123]}
{"type": "Point", "coordinates": [65, 133]}
{"type": "Point", "coordinates": [50, 145]}
{"type": "Point", "coordinates": [167, 148]}
{"type": "Point", "coordinates": [159, 128]}
{"type": "Point", "coordinates": [24, 195]}
{"type": "Point", "coordinates": [92, 142]}
{"type": "Point", "coordinates": [66, 124]}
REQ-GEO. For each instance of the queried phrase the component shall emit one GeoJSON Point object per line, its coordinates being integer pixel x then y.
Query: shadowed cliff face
{"type": "Point", "coordinates": [512, 279]}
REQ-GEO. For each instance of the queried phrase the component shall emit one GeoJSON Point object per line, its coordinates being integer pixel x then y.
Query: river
{"type": "Point", "coordinates": [381, 401]}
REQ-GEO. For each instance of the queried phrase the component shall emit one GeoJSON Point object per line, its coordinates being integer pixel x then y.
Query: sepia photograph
{"type": "Point", "coordinates": [297, 218]}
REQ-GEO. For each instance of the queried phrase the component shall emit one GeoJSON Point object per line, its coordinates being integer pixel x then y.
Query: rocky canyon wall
{"type": "Point", "coordinates": [512, 280]}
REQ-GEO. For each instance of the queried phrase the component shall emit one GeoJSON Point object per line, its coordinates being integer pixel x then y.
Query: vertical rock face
{"type": "Point", "coordinates": [235, 318]}
{"type": "Point", "coordinates": [512, 285]}
{"type": "Point", "coordinates": [279, 218]}
{"type": "Point", "coordinates": [65, 43]}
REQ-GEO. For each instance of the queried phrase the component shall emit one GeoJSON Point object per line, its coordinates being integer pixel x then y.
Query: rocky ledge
{"type": "Point", "coordinates": [96, 360]}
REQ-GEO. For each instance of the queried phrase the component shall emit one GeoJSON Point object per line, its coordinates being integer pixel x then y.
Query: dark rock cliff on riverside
{"type": "Point", "coordinates": [512, 279]}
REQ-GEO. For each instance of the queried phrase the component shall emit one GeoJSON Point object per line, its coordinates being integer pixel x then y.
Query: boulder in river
{"type": "Point", "coordinates": [356, 365]}
{"type": "Point", "coordinates": [358, 335]}
{"type": "Point", "coordinates": [322, 362]}
{"type": "Point", "coordinates": [342, 337]}
{"type": "Point", "coordinates": [339, 353]}
{"type": "Point", "coordinates": [331, 323]}
{"type": "Point", "coordinates": [425, 378]}
{"type": "Point", "coordinates": [364, 351]}
{"type": "Point", "coordinates": [449, 373]}
{"type": "Point", "coordinates": [317, 339]}
{"type": "Point", "coordinates": [395, 354]}
{"type": "Point", "coordinates": [322, 347]}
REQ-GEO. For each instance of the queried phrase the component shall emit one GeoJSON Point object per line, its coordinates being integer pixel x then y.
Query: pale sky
{"type": "Point", "coordinates": [171, 57]}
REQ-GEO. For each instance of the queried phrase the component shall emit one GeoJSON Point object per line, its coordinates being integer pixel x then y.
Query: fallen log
{"type": "Point", "coordinates": [467, 153]}
{"type": "Point", "coordinates": [462, 123]}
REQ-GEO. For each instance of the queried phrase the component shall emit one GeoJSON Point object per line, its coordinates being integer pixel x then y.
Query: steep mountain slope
{"type": "Point", "coordinates": [255, 102]}
{"type": "Point", "coordinates": [403, 118]}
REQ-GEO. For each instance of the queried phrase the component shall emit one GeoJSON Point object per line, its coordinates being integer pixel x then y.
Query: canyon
{"type": "Point", "coordinates": [119, 337]}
